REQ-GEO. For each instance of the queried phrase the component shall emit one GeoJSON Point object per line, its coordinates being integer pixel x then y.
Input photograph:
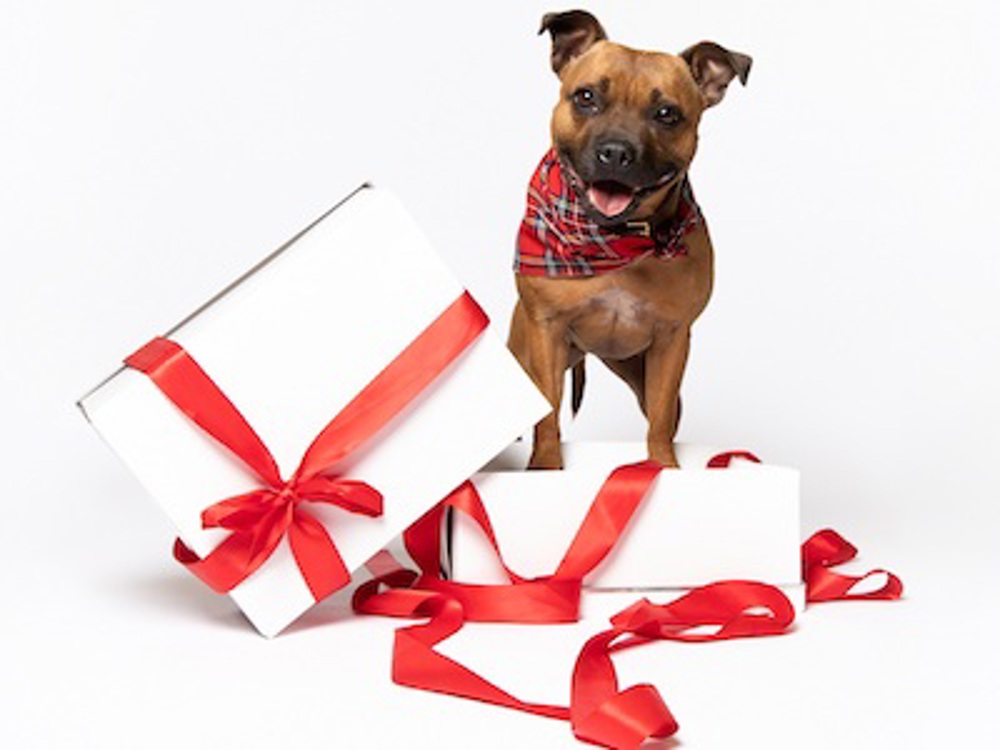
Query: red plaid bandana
{"type": "Point", "coordinates": [557, 238]}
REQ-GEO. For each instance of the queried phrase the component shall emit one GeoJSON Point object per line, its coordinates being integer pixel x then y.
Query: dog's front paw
{"type": "Point", "coordinates": [546, 458]}
{"type": "Point", "coordinates": [664, 454]}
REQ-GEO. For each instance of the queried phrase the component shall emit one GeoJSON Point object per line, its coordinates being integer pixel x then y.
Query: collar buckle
{"type": "Point", "coordinates": [641, 228]}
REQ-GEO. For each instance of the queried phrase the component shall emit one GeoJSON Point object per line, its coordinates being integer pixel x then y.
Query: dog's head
{"type": "Point", "coordinates": [626, 124]}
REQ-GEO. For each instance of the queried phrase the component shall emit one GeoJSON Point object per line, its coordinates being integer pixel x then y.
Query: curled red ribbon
{"type": "Point", "coordinates": [826, 549]}
{"type": "Point", "coordinates": [599, 712]}
{"type": "Point", "coordinates": [259, 519]}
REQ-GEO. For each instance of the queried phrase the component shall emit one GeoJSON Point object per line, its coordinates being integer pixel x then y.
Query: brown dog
{"type": "Point", "coordinates": [614, 257]}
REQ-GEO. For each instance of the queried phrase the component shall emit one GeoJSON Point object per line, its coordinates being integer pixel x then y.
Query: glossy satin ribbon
{"type": "Point", "coordinates": [260, 519]}
{"type": "Point", "coordinates": [826, 549]}
{"type": "Point", "coordinates": [599, 711]}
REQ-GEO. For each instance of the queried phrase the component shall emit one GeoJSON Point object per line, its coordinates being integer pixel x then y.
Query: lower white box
{"type": "Point", "coordinates": [697, 525]}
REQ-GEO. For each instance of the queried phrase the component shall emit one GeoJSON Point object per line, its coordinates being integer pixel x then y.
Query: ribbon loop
{"type": "Point", "coordinates": [737, 609]}
{"type": "Point", "coordinates": [627, 720]}
{"type": "Point", "coordinates": [351, 495]}
{"type": "Point", "coordinates": [240, 513]}
{"type": "Point", "coordinates": [723, 460]}
{"type": "Point", "coordinates": [826, 549]}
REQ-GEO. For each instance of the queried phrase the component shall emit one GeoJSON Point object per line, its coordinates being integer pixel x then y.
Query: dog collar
{"type": "Point", "coordinates": [557, 238]}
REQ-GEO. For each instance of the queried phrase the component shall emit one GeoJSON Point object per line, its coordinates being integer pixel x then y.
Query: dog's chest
{"type": "Point", "coordinates": [614, 323]}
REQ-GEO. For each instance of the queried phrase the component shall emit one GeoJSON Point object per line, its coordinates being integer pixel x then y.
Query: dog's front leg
{"type": "Point", "coordinates": [548, 357]}
{"type": "Point", "coordinates": [665, 361]}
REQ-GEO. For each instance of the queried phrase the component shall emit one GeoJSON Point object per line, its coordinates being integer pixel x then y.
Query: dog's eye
{"type": "Point", "coordinates": [668, 114]}
{"type": "Point", "coordinates": [585, 100]}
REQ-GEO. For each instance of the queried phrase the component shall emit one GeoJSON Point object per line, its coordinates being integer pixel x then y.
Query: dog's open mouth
{"type": "Point", "coordinates": [610, 198]}
{"type": "Point", "coordinates": [614, 200]}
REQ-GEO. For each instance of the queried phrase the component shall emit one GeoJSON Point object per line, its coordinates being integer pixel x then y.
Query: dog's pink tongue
{"type": "Point", "coordinates": [609, 198]}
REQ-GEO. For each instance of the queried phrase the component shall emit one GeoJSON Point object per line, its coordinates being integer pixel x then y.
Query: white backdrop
{"type": "Point", "coordinates": [151, 152]}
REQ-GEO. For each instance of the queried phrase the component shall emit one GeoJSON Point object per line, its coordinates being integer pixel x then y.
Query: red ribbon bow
{"type": "Point", "coordinates": [260, 519]}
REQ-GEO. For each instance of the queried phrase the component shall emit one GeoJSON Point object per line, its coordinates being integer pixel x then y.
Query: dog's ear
{"type": "Point", "coordinates": [573, 32]}
{"type": "Point", "coordinates": [713, 67]}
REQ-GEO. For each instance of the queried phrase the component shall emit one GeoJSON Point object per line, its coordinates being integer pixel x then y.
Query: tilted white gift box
{"type": "Point", "coordinates": [697, 525]}
{"type": "Point", "coordinates": [290, 344]}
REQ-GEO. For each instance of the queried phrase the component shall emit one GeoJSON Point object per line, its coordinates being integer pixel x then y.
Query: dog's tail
{"type": "Point", "coordinates": [579, 381]}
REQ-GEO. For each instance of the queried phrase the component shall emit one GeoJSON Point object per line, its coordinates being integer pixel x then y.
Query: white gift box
{"type": "Point", "coordinates": [697, 525]}
{"type": "Point", "coordinates": [290, 344]}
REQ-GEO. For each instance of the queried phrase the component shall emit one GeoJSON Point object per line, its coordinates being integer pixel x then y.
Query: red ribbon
{"type": "Point", "coordinates": [599, 711]}
{"type": "Point", "coordinates": [261, 518]}
{"type": "Point", "coordinates": [827, 548]}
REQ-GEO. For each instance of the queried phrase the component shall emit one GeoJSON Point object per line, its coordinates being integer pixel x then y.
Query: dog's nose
{"type": "Point", "coordinates": [616, 154]}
